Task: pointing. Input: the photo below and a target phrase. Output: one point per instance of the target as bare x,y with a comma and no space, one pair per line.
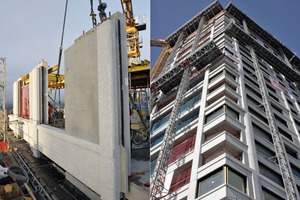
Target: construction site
57,144
225,118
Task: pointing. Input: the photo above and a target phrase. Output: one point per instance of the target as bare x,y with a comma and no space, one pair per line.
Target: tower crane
139,71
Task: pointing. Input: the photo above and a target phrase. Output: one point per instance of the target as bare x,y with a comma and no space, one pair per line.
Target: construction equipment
283,163
278,146
170,134
3,112
139,125
14,172
161,61
139,71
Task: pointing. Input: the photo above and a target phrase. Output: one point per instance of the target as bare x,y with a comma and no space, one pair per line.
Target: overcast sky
31,30
280,18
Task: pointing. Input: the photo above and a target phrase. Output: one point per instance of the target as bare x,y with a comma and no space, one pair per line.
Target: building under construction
225,112
91,146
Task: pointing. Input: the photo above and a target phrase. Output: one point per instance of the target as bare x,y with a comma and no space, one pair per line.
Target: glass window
215,179
214,114
268,195
223,109
288,136
282,121
236,180
152,166
258,115
276,108
161,122
264,150
262,133
210,182
232,112
291,152
296,170
270,174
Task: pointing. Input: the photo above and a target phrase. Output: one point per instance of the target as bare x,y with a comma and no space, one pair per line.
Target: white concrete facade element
37,106
94,149
96,99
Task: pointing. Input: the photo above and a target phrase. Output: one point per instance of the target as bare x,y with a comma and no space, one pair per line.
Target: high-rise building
225,112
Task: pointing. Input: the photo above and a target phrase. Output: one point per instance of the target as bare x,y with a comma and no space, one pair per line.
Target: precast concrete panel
96,100
16,98
81,93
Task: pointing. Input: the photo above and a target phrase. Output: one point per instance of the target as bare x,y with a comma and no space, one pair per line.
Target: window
224,175
273,96
182,148
291,103
270,174
285,134
252,81
211,182
270,88
297,122
219,111
216,76
222,72
282,121
291,152
262,133
236,180
254,101
161,122
268,195
267,153
276,108
157,140
180,178
253,91
251,67
152,166
258,115
296,170
295,112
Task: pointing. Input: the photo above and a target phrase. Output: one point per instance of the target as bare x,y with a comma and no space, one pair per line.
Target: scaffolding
2,82
3,113
237,32
255,47
167,145
199,59
240,16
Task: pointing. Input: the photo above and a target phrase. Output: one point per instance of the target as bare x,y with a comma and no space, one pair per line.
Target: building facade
235,135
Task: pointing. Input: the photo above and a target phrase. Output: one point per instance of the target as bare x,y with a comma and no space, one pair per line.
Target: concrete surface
95,146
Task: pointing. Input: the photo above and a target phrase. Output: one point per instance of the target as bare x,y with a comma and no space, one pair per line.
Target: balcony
223,143
220,92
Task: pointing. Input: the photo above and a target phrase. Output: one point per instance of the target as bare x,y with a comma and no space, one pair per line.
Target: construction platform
49,175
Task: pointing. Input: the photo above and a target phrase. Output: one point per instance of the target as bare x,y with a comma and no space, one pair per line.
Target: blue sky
31,30
280,18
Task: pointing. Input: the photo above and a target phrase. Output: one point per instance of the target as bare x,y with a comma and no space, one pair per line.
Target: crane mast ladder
168,142
282,161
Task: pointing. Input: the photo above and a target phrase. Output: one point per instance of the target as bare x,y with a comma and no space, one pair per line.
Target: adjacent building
237,132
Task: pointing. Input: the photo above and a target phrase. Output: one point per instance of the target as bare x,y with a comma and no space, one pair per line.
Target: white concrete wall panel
95,91
16,98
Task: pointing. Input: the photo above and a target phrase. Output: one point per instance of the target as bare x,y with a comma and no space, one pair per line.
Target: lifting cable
60,51
93,15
